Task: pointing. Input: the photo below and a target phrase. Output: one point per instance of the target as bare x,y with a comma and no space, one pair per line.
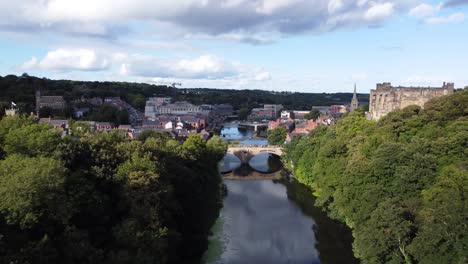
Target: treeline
101,113
399,183
248,99
100,198
21,90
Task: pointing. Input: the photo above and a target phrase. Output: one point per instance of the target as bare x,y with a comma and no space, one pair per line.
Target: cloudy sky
281,45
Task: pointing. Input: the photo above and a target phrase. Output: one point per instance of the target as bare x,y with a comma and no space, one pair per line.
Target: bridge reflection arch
241,161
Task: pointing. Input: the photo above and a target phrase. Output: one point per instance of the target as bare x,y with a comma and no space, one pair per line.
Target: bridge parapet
246,152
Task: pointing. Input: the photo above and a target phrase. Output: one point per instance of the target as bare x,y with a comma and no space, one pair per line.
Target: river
272,221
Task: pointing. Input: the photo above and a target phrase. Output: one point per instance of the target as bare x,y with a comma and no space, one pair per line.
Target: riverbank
396,182
268,217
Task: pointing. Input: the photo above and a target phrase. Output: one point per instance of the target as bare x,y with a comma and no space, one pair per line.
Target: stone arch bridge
247,152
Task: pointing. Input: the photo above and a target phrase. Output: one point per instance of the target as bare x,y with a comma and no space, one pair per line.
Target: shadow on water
265,221
333,238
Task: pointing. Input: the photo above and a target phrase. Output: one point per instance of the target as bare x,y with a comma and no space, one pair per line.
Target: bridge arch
247,152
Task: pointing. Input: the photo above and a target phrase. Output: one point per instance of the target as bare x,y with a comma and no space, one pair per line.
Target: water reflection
263,163
262,223
232,132
266,163
229,163
265,221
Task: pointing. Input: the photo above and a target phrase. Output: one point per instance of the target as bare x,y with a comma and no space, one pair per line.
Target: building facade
386,98
154,108
268,112
53,102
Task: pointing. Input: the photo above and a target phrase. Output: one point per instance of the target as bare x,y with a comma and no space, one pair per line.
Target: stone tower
354,101
386,98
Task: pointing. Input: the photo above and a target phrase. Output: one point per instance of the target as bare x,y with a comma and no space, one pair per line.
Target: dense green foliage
400,183
109,113
313,114
100,198
277,136
21,90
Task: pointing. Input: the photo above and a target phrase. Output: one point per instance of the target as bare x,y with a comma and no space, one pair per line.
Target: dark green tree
277,136
243,113
312,115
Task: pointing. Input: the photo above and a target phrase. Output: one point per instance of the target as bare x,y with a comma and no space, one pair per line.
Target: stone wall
386,98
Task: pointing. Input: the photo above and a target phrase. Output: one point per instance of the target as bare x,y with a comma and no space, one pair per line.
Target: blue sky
281,45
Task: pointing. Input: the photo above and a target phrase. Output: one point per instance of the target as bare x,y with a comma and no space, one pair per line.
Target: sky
279,45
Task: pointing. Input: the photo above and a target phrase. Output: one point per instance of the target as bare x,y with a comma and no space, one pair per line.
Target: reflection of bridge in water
247,152
253,175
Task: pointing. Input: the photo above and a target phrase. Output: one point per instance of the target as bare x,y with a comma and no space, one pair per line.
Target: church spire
354,101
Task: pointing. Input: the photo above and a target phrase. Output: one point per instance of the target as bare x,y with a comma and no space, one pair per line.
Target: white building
159,105
153,104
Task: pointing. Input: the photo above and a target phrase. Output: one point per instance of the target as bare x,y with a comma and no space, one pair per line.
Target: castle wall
386,98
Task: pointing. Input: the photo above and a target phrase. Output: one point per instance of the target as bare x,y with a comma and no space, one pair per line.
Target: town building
354,102
299,115
53,102
179,108
61,125
338,109
324,110
223,110
103,126
386,98
80,112
286,114
268,112
155,106
13,110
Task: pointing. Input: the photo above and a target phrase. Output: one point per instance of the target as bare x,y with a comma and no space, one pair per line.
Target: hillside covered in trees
399,183
99,198
21,90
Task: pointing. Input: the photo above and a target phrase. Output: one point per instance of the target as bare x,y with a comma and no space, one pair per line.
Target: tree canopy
313,114
100,198
398,183
277,136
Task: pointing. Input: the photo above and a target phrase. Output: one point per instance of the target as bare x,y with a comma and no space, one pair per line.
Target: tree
243,113
68,111
81,128
31,140
145,134
313,114
217,146
45,112
277,136
195,145
8,123
32,189
443,233
399,183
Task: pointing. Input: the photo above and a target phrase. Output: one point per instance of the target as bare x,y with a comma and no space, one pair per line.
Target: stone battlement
386,98
388,86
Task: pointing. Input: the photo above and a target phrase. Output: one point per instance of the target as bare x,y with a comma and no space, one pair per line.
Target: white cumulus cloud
69,60
380,11
425,10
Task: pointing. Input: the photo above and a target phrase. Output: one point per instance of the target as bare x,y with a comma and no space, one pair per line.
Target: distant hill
21,90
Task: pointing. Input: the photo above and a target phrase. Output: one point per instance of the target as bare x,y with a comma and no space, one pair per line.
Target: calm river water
272,221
